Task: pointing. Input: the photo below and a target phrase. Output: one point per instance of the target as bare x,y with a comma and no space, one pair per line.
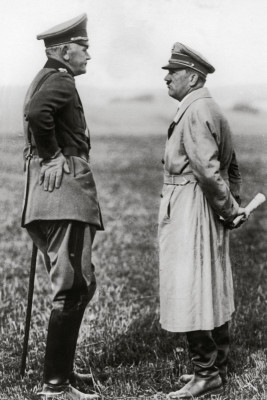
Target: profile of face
178,83
76,56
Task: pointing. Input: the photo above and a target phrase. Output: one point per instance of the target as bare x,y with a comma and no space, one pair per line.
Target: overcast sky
131,39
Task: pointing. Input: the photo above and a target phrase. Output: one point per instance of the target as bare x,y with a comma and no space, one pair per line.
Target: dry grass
121,340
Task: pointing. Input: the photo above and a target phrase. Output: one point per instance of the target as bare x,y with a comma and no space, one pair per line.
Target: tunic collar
53,63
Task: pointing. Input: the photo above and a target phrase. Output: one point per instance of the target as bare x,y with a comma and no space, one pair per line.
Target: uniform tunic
55,120
62,223
196,288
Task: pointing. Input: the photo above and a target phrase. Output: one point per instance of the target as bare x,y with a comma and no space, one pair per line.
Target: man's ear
193,79
65,53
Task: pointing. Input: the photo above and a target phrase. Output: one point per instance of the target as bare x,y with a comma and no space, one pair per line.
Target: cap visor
174,66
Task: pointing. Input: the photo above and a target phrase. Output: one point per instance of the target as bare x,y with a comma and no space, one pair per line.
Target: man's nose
167,77
88,57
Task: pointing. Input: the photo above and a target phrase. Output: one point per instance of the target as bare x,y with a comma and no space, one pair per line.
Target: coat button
161,196
163,162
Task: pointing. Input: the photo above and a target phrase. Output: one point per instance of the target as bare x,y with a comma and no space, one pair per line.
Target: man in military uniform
200,199
61,211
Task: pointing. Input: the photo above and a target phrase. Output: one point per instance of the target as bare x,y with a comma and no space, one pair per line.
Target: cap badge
79,38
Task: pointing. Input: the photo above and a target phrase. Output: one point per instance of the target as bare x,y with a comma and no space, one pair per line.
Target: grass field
121,340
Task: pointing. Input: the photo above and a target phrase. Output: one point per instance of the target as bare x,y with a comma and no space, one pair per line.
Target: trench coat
196,287
54,120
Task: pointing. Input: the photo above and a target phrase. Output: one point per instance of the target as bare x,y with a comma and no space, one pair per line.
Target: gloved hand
241,211
52,170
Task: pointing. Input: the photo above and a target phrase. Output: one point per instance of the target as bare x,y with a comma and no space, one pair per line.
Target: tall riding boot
62,335
63,330
221,337
206,379
76,377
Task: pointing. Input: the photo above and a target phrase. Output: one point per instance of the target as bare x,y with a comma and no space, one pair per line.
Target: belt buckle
185,182
29,156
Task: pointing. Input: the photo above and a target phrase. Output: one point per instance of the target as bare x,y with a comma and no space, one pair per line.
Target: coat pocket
166,204
80,166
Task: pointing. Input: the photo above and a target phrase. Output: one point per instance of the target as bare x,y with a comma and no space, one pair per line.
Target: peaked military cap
184,57
72,31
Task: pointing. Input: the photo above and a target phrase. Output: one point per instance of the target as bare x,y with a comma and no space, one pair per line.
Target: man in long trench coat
200,199
61,211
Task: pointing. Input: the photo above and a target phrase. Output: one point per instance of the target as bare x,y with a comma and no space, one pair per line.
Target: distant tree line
245,107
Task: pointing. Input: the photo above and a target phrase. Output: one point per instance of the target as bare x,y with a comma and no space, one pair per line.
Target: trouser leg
68,260
88,235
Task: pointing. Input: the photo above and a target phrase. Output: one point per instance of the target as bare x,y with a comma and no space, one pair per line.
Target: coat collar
53,63
193,96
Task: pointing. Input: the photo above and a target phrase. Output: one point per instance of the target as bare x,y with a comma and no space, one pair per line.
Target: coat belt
184,179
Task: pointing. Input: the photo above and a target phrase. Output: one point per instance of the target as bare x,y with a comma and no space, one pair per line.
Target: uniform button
161,195
163,162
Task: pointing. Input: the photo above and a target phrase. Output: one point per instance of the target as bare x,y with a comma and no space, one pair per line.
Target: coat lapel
195,95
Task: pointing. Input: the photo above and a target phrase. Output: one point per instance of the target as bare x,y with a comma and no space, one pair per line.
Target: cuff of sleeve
56,154
47,154
41,160
232,213
46,145
235,179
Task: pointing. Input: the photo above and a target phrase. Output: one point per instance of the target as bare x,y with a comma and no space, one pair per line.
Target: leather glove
241,211
52,170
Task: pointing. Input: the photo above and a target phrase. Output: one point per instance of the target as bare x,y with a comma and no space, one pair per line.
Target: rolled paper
255,203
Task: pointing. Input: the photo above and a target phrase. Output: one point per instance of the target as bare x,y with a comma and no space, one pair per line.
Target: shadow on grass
145,356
